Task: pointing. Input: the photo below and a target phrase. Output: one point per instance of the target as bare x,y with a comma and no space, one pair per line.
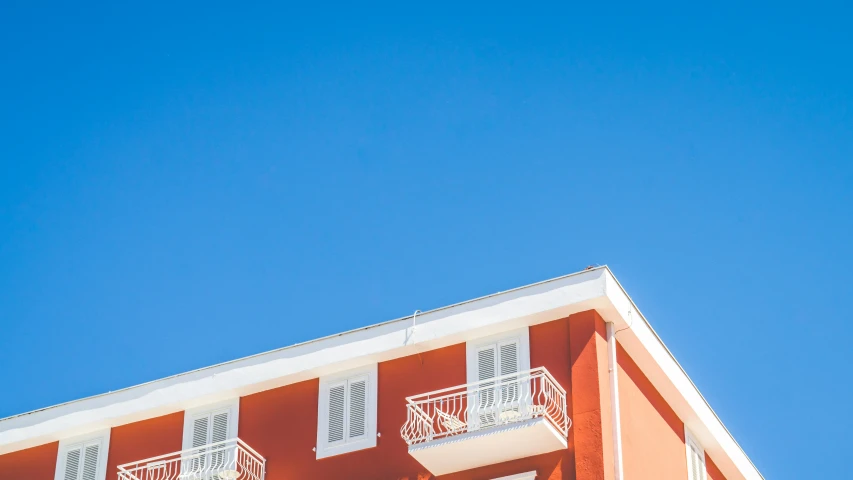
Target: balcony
227,460
487,422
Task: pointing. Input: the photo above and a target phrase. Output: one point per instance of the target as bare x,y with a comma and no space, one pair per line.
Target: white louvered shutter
201,426
487,368
209,428
337,412
697,462
90,462
81,462
508,364
218,433
487,363
357,408
508,354
72,464
346,412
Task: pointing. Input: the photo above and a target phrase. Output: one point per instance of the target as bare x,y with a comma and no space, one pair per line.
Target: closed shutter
218,433
200,425
509,358
486,363
497,360
90,462
357,408
697,462
348,410
487,368
337,412
508,362
210,428
220,427
72,464
494,398
81,462
206,429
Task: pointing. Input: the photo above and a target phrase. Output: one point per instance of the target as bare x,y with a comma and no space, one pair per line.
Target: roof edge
294,345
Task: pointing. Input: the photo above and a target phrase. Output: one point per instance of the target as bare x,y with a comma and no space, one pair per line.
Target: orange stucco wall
281,423
37,463
592,426
145,439
652,434
713,472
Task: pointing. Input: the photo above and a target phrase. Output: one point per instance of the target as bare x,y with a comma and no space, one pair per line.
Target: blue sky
182,185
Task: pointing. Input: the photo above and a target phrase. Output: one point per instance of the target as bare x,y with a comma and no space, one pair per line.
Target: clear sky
184,184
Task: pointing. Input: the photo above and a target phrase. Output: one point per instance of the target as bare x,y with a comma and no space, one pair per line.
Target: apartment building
562,379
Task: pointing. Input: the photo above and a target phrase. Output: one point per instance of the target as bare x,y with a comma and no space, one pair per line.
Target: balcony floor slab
488,446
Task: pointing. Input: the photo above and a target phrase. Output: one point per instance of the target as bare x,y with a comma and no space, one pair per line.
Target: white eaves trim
660,367
435,329
502,312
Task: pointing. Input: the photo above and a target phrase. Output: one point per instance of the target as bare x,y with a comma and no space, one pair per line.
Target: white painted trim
615,407
657,363
368,440
519,476
438,328
522,335
689,440
231,405
103,437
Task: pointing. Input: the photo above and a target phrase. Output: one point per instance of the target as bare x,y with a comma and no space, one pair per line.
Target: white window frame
519,476
103,436
233,407
521,335
368,440
689,439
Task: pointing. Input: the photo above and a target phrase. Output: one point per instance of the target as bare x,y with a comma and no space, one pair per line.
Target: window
210,424
83,458
347,412
695,458
497,356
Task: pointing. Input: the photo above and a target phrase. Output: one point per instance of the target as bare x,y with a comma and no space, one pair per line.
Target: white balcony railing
227,460
486,404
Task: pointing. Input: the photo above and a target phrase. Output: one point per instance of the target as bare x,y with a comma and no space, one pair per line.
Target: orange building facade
518,385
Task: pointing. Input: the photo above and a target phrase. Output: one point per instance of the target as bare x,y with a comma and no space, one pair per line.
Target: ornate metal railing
227,460
489,403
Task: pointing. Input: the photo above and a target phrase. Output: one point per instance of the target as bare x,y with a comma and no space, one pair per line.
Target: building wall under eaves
281,423
145,439
37,463
652,434
713,472
653,442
